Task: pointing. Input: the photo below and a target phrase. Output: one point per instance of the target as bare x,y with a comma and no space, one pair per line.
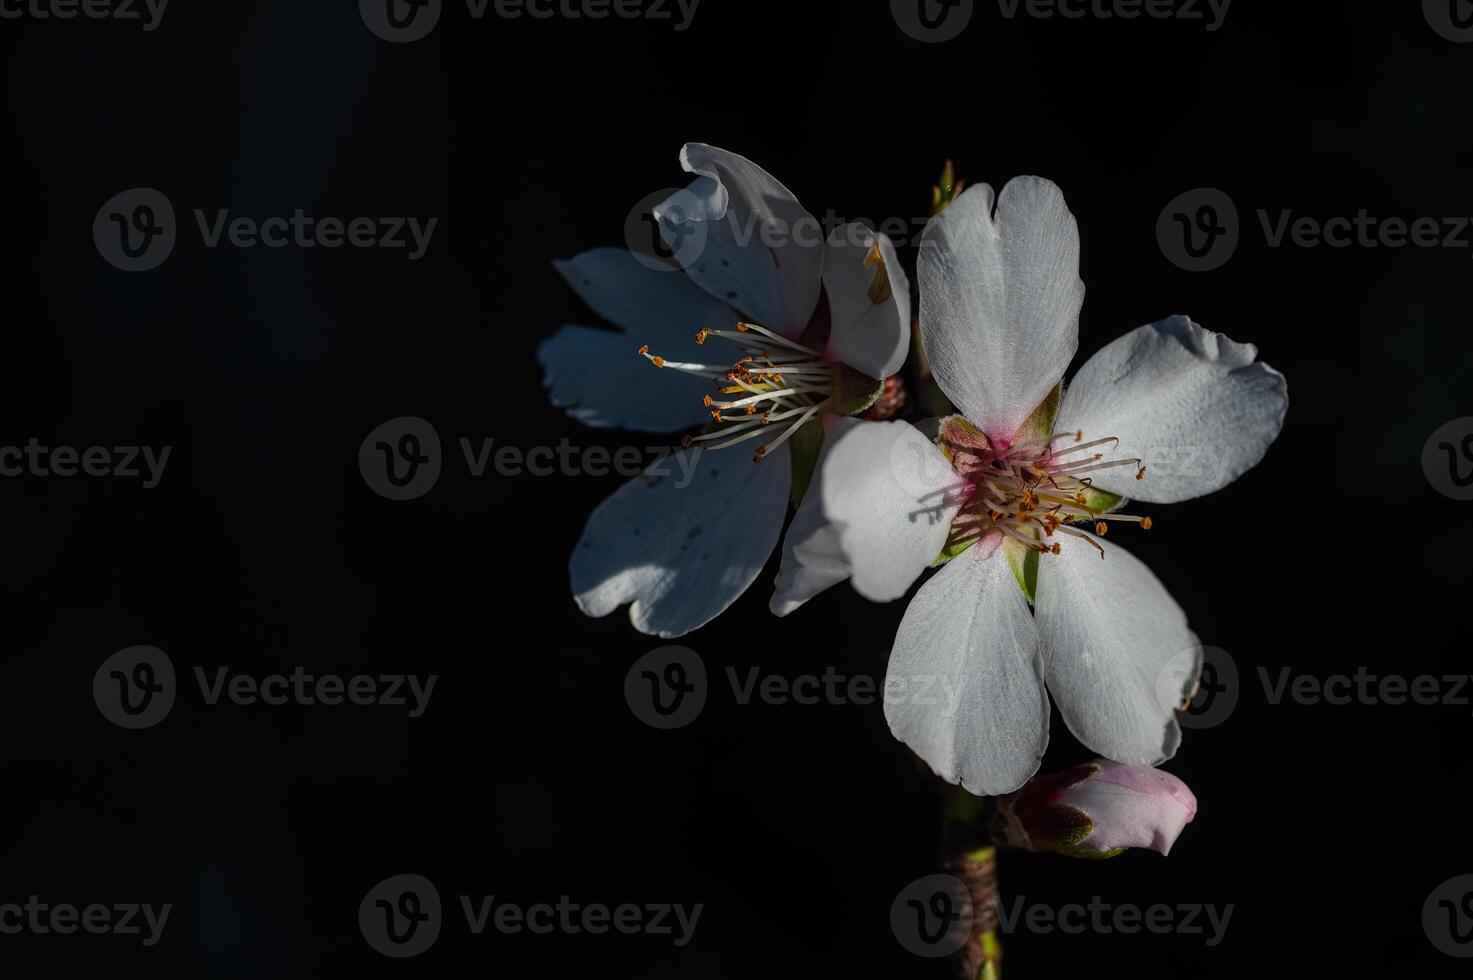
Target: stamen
789,383
1032,491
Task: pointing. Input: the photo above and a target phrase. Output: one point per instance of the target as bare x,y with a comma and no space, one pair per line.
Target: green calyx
946,190
803,450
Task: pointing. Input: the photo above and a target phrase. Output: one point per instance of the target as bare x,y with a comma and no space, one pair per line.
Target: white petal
1110,634
599,376
892,496
813,559
869,336
1000,300
968,641
762,253
878,510
682,546
1191,403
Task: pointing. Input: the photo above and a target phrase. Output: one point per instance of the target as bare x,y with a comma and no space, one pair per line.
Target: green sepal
953,550
1023,560
803,450
1041,422
946,190
854,392
1101,503
1095,855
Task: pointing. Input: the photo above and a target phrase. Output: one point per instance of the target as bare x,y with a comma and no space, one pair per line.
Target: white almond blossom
772,326
1164,414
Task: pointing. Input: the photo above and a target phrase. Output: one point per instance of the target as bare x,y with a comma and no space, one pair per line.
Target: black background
528,778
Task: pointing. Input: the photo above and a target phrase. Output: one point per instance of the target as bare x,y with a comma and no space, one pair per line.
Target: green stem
971,857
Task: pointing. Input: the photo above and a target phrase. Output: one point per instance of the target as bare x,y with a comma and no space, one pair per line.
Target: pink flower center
1032,491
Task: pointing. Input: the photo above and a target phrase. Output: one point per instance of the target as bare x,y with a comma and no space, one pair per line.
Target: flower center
783,384
1035,490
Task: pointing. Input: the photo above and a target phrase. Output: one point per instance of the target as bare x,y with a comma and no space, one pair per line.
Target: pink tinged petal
1132,806
683,541
1000,300
763,253
965,683
1121,659
598,375
869,302
1195,406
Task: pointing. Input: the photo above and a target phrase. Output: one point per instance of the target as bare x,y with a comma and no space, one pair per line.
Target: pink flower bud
1096,810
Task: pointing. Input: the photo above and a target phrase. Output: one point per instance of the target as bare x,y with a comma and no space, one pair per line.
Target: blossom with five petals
1166,413
813,324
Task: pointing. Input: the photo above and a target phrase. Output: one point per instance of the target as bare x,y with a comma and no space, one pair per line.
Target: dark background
528,777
